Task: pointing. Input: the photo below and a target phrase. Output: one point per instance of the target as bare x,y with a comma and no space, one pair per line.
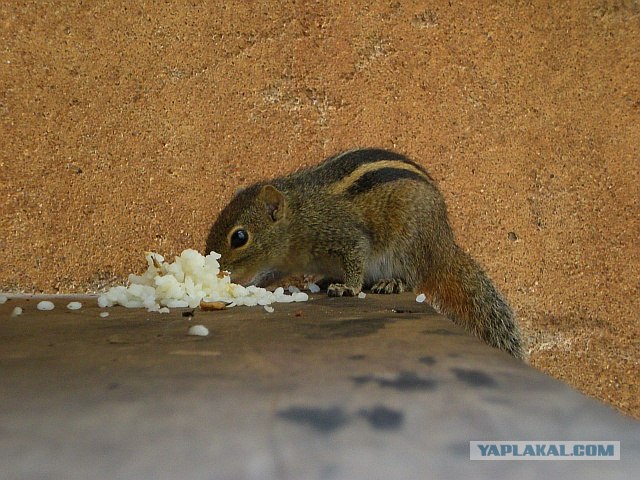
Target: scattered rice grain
45,305
198,330
362,295
421,298
16,311
74,305
269,308
300,297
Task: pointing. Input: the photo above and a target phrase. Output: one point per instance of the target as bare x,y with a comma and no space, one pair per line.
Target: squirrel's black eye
239,238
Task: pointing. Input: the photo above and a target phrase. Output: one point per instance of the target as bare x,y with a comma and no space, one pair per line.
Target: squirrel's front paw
389,286
341,290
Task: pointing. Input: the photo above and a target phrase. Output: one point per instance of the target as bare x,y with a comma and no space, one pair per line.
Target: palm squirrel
365,218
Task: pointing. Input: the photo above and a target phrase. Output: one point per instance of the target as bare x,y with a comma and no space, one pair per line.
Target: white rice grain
104,302
74,305
421,298
16,312
313,288
362,295
3,299
45,305
269,308
198,330
177,304
300,297
104,314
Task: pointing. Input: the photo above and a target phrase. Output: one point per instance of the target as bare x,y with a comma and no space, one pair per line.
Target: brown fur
363,218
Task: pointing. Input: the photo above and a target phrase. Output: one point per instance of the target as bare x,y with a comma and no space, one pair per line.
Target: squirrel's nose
242,278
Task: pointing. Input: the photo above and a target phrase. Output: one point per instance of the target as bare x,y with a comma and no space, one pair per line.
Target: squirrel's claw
342,290
392,285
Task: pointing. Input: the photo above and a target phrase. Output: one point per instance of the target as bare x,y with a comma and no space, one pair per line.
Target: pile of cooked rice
192,278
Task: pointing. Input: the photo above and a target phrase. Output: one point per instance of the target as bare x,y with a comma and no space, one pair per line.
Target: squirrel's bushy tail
462,291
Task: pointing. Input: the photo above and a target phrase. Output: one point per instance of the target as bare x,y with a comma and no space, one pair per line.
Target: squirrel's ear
274,202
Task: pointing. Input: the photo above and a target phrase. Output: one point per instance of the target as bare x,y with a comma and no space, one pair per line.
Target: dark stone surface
324,420
332,388
474,378
383,418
